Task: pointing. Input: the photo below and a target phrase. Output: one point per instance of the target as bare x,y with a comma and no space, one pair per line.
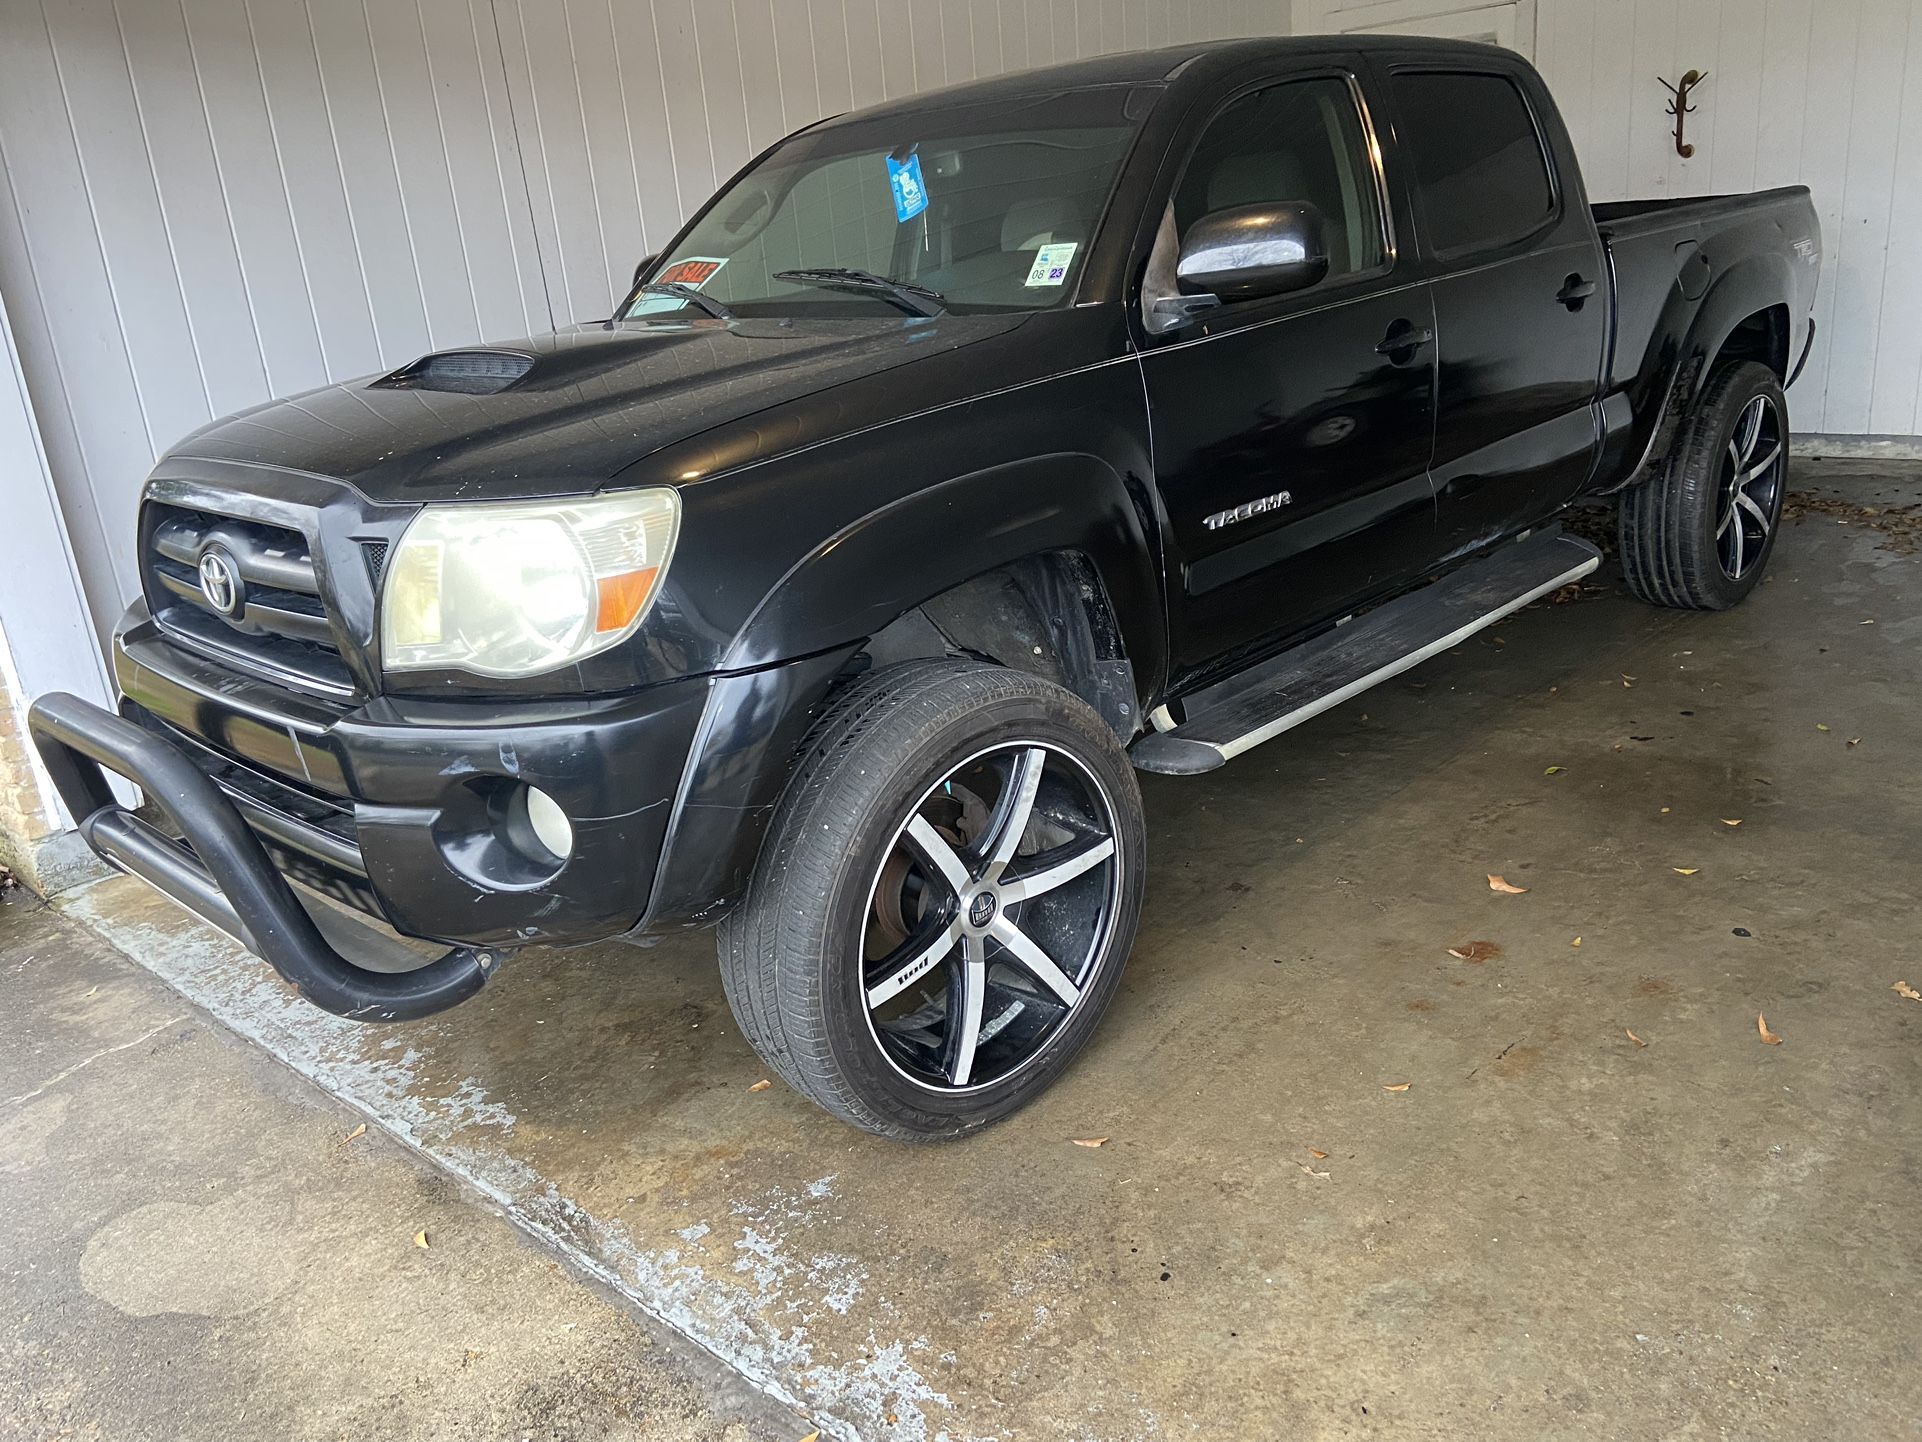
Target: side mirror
643,265
1251,251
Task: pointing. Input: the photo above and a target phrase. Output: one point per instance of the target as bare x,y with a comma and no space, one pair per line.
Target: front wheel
945,901
1698,534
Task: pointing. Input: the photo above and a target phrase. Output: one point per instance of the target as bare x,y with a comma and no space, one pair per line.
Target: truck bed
1626,218
1666,255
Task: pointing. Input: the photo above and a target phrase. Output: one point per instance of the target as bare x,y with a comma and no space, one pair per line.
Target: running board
1260,703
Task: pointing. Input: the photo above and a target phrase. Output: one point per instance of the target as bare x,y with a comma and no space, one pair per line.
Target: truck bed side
1695,279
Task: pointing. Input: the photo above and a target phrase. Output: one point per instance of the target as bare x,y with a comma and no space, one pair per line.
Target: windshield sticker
1051,263
910,193
695,271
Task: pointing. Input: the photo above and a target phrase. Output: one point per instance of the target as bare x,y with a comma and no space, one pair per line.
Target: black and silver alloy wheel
1750,497
945,900
1698,532
989,916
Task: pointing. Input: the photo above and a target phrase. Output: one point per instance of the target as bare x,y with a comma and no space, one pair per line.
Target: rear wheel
945,902
1698,534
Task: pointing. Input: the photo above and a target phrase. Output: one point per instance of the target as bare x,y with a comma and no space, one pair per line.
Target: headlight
524,587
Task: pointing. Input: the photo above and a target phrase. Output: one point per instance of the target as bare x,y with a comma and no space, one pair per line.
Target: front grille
270,620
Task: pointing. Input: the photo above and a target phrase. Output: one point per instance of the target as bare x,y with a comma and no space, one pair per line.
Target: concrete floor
194,1244
1554,1231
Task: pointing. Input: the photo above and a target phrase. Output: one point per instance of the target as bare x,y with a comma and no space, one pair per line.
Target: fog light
548,822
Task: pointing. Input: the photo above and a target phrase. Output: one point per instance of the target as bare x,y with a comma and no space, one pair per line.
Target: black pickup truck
958,457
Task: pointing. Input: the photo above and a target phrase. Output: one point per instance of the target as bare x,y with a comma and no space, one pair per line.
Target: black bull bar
224,875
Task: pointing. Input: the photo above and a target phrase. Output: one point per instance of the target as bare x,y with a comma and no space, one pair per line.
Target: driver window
1298,141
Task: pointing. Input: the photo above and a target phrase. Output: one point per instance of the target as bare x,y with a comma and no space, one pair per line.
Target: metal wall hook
1680,108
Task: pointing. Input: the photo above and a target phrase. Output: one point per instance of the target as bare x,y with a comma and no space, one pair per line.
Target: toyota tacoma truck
961,456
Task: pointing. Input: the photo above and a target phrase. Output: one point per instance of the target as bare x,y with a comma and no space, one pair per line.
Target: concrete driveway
1354,1184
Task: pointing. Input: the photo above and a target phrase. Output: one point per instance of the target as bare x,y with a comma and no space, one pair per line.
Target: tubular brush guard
225,876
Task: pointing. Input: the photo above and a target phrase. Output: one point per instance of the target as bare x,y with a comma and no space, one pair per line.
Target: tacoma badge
1247,509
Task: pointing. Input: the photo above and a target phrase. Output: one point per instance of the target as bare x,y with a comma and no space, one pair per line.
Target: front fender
894,558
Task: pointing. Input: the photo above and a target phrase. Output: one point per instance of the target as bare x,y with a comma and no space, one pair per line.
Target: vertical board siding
1826,93
205,203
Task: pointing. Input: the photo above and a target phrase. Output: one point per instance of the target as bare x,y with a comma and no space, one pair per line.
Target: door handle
1403,339
1574,291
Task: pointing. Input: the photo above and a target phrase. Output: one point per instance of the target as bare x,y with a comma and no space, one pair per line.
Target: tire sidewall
1059,720
1709,436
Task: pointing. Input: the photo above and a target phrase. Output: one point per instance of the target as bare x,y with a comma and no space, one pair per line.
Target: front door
1291,434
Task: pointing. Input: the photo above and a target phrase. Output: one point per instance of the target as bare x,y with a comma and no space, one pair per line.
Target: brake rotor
958,815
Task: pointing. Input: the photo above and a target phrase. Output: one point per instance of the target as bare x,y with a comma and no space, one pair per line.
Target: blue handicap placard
910,195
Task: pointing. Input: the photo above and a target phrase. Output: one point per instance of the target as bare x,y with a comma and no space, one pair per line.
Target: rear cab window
1480,167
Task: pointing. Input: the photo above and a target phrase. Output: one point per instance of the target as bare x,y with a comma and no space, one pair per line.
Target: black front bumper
396,806
223,875
393,804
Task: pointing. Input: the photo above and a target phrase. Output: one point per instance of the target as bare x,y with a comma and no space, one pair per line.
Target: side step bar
1260,703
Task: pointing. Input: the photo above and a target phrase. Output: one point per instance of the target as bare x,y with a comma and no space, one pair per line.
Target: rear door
1291,433
1520,292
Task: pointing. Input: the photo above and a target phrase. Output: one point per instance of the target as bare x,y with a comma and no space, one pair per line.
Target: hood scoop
463,372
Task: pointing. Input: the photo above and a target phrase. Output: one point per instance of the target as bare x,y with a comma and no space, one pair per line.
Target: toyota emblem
220,582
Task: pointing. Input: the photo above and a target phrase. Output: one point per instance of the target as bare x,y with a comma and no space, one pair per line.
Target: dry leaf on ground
762,1085
1731,821
1500,883
1316,1153
1476,951
1820,727
1902,988
1553,770
1576,942
1091,1141
1855,741
420,1240
814,1436
359,1131
1398,1087
1632,1037
1320,1176
1769,1038
1685,870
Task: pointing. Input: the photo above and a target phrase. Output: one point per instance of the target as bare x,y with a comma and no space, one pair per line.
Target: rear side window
1478,159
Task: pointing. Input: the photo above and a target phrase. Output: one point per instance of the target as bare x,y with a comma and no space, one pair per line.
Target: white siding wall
204,203
1826,93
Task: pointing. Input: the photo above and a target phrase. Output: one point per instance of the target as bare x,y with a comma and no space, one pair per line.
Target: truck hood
595,400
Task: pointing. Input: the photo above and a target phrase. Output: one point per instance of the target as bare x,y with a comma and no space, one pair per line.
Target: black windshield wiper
912,298
689,294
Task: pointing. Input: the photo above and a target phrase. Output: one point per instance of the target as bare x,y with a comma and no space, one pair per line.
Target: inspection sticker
910,193
1051,263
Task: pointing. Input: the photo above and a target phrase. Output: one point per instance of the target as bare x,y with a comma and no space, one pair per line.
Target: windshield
984,208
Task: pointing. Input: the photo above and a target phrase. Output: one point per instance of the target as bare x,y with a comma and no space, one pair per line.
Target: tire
1698,535
939,807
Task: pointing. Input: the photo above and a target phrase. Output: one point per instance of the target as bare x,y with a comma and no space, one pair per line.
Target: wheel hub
982,909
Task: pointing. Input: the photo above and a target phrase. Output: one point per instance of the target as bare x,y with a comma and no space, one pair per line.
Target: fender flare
1758,283
902,554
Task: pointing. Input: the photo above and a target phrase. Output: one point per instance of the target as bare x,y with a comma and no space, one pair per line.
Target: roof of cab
1157,67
